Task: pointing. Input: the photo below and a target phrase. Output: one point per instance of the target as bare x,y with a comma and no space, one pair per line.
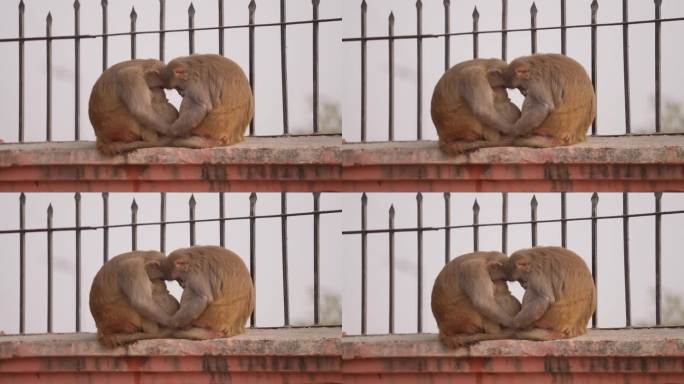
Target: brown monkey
217,101
560,295
218,295
129,300
128,107
471,301
470,107
560,103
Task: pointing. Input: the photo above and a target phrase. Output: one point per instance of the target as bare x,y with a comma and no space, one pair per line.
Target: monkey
128,107
560,295
218,294
129,300
470,107
560,103
217,100
471,301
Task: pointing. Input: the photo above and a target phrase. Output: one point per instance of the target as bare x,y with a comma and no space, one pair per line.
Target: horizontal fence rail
504,31
419,229
192,222
161,32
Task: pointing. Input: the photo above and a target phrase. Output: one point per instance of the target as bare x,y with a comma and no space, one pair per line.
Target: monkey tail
464,340
453,148
114,340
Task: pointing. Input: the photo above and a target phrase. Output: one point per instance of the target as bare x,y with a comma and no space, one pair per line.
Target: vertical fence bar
162,23
419,70
48,77
658,238
364,50
314,26
390,42
504,222
625,247
419,234
476,227
533,27
252,74
283,244
252,246
594,58
657,64
49,267
391,269
134,21
283,66
21,75
192,204
533,219
191,28
222,217
77,70
476,37
447,224
447,38
162,220
134,225
564,223
105,227
77,202
317,254
105,29
625,64
563,27
364,261
594,248
22,263
221,31
504,29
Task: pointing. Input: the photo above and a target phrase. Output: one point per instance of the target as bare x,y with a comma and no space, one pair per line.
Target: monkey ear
495,77
495,269
153,269
153,78
522,265
181,265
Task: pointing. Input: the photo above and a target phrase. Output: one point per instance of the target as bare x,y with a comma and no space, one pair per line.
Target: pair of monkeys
129,110
129,300
471,301
471,109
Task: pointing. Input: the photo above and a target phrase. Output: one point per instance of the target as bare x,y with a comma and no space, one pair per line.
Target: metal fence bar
364,262
594,55
447,38
390,80
625,248
105,227
222,216
533,219
162,219
563,28
419,235
48,78
22,263
221,32
504,27
134,21
22,77
564,223
364,49
476,228
504,221
314,26
419,70
252,74
162,24
625,64
252,247
657,4
283,66
447,223
391,269
283,244
134,225
50,254
317,255
191,27
594,247
533,26
77,71
476,20
192,204
77,208
658,245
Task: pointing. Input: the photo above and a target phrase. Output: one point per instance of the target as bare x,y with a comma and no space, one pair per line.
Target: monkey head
517,75
496,269
175,266
519,268
176,75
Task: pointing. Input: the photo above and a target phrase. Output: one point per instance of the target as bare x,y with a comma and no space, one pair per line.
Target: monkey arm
534,306
195,299
137,97
479,95
536,107
138,288
192,112
478,286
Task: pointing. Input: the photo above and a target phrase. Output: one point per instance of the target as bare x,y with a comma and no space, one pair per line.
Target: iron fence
161,32
419,229
78,229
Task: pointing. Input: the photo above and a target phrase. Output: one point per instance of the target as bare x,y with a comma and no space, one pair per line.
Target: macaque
129,301
471,301
560,103
128,108
470,107
218,294
560,295
217,101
